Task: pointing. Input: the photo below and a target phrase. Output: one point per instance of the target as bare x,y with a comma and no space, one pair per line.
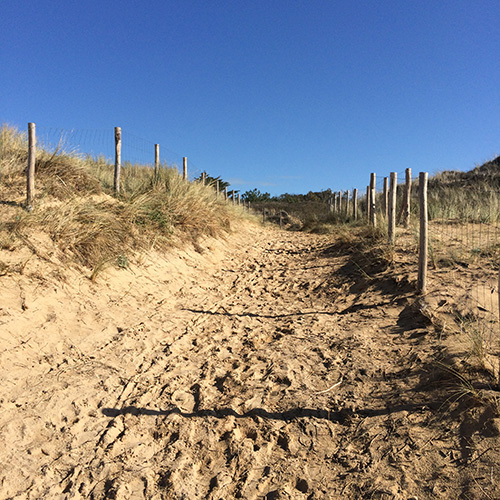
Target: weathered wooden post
118,159
424,233
185,168
368,204
203,178
233,197
217,188
347,204
30,172
355,204
239,199
406,213
373,215
386,198
340,203
225,193
336,197
157,160
391,228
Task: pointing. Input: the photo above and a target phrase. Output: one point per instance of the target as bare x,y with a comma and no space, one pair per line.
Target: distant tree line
256,196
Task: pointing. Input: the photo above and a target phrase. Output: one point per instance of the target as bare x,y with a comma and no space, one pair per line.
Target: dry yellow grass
74,205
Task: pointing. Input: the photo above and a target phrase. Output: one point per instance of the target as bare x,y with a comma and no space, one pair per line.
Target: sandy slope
210,376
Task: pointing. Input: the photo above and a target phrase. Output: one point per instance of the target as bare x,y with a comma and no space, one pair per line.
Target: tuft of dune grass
13,160
63,175
84,229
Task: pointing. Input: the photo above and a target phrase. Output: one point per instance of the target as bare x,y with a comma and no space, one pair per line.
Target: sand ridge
260,366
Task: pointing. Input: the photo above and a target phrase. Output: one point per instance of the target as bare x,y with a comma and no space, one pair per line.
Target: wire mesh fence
82,142
462,268
464,252
99,145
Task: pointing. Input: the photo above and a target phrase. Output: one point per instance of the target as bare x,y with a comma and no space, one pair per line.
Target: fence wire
81,142
464,251
99,145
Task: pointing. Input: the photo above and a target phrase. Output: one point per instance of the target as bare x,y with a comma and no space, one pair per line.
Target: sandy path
207,376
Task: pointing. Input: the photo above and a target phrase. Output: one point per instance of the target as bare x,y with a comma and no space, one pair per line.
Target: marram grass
75,207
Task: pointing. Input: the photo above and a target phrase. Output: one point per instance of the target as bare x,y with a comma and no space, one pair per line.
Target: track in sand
265,367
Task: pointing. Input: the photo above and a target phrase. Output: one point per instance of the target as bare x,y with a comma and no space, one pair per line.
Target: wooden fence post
406,215
30,172
234,197
157,160
347,204
373,215
336,197
225,193
368,204
355,204
185,168
239,199
386,198
118,159
424,233
217,188
391,229
340,203
203,178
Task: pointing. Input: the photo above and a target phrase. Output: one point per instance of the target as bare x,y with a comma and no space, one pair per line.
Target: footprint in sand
183,400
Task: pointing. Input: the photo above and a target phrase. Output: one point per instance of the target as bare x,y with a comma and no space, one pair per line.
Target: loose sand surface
264,366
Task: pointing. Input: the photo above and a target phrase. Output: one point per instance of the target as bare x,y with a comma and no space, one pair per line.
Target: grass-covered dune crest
75,206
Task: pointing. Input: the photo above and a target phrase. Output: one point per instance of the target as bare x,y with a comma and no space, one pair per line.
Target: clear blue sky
282,95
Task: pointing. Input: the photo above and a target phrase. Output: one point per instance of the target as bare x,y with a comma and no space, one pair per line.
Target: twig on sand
330,388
